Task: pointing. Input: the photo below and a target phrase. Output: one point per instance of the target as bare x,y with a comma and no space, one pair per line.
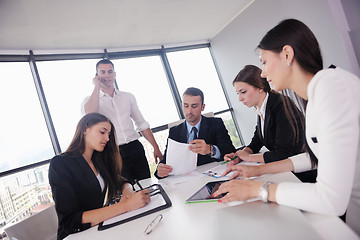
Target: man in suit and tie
208,136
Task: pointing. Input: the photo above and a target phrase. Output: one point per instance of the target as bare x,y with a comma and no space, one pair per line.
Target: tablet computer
205,193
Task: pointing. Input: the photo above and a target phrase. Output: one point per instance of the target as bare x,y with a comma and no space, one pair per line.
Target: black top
212,130
75,190
278,134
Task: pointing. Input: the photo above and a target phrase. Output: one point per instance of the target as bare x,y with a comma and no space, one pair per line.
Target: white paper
180,158
156,201
176,179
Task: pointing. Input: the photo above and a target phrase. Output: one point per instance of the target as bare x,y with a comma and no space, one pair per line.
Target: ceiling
111,24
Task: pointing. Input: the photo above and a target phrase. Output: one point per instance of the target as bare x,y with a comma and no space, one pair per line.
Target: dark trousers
135,164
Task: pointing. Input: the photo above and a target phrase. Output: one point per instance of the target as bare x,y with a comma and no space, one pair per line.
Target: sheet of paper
217,171
156,201
176,179
180,158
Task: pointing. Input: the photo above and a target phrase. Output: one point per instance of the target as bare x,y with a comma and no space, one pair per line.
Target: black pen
137,182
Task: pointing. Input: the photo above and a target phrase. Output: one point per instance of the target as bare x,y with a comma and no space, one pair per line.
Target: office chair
42,225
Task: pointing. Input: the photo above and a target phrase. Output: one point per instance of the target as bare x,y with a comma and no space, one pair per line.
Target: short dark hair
251,75
296,34
104,61
195,92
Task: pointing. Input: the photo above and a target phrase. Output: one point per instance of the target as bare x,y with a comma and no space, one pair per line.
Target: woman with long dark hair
280,132
87,176
291,58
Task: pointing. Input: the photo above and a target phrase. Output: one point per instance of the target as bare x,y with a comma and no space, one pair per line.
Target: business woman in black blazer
276,128
88,175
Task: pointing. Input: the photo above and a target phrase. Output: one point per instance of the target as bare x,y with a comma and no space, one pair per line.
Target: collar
102,93
189,126
262,109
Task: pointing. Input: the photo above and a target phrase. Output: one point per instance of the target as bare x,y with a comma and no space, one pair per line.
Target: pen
137,182
233,158
153,224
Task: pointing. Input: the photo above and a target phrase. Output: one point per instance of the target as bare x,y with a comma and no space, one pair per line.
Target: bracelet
263,192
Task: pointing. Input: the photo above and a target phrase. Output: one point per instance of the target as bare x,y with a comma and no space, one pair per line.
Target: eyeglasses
153,224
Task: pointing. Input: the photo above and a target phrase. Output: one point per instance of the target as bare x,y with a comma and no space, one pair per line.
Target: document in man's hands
180,157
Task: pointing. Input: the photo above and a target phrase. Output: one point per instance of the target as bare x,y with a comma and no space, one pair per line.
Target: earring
289,64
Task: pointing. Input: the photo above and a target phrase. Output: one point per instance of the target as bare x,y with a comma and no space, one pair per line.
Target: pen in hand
233,158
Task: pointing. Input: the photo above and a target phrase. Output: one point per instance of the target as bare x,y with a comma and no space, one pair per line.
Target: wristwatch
263,192
212,151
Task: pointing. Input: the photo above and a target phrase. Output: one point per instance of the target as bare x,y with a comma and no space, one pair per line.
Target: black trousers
135,164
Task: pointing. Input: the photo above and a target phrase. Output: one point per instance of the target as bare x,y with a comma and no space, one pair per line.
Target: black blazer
212,130
278,134
75,190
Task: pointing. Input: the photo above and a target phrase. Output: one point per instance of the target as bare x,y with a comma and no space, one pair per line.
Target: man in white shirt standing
121,108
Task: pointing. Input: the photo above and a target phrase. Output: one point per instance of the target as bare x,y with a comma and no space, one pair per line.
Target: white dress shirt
333,118
123,111
261,112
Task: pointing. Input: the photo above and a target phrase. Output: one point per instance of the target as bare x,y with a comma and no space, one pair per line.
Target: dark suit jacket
278,137
212,130
75,190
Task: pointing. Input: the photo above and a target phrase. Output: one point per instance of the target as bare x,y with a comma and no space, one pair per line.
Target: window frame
32,58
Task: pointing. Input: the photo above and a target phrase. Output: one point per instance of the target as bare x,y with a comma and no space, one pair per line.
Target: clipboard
159,201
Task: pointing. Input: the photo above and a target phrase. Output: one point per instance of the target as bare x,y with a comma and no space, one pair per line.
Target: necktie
194,129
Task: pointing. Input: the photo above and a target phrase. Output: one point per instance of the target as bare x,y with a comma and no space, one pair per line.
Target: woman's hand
127,190
230,156
242,170
136,200
238,190
243,155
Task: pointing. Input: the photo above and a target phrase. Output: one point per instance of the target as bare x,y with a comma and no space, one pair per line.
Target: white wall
234,47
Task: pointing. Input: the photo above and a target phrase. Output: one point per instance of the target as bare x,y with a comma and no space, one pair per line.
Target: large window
195,68
145,78
24,137
66,84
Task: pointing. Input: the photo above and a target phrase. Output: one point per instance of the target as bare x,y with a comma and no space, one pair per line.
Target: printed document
180,158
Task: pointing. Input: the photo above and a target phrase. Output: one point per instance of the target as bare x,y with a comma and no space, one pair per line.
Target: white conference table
197,221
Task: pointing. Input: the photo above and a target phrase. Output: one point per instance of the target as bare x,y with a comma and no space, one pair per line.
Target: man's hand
157,155
164,170
97,82
199,146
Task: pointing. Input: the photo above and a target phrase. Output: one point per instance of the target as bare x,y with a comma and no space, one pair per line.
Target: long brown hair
251,75
306,48
108,162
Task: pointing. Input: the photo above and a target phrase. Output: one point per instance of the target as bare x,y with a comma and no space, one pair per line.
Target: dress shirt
333,120
261,112
190,136
122,110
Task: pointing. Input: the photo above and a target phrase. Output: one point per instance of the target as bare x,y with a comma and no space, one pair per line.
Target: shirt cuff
143,126
301,162
217,155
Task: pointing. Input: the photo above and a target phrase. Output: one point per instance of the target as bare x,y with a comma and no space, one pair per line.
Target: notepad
159,201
